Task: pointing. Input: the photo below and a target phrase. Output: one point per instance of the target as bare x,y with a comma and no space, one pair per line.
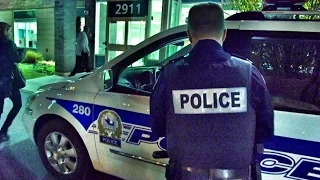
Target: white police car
102,119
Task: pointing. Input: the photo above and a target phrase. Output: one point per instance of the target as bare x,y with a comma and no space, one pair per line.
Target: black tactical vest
210,119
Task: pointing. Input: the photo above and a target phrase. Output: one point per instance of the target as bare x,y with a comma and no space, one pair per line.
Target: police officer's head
206,21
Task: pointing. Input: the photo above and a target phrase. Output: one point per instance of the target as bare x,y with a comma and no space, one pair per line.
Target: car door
122,124
288,58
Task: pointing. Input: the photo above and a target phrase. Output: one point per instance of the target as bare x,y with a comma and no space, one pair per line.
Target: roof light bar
285,2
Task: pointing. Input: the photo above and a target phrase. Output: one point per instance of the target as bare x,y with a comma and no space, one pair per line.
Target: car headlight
30,100
32,97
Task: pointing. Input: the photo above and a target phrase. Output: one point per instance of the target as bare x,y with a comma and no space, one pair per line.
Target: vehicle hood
61,82
53,86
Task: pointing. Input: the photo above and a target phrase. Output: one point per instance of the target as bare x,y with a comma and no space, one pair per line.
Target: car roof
232,23
291,21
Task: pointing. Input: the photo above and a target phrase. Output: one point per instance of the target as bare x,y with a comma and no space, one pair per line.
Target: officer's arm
263,107
158,107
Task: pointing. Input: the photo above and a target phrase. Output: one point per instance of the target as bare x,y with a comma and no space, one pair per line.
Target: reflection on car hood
57,85
61,83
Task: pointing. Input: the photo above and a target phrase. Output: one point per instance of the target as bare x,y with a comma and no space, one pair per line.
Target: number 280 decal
82,110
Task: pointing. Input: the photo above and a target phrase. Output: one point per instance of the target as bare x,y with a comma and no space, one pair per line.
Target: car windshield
167,53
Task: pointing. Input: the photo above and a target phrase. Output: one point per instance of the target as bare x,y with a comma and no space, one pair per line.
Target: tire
70,158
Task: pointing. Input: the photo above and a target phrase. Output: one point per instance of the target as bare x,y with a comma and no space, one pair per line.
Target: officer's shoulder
241,58
246,61
174,62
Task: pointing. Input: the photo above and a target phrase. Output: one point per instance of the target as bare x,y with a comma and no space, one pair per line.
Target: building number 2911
125,8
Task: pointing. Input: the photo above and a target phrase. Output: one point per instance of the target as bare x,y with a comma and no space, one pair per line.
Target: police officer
210,105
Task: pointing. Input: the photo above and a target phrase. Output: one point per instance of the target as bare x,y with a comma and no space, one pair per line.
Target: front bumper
28,122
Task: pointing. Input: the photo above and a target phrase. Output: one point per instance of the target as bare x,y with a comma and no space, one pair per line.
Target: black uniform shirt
204,55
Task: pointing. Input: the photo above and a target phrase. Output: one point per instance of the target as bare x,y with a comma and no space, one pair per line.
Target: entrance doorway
128,23
121,24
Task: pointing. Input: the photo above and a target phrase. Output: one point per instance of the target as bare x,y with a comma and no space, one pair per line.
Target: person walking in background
82,53
9,77
85,54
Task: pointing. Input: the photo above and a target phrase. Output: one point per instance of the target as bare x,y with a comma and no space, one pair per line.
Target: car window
161,55
291,70
289,62
142,74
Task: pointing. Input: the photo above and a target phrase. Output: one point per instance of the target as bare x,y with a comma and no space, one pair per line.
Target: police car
101,120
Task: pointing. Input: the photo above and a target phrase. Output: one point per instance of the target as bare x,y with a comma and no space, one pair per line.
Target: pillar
166,13
65,35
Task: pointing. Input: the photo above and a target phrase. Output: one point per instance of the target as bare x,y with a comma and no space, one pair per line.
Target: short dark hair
4,27
206,19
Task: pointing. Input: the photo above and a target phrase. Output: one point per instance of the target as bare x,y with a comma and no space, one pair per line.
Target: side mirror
160,154
179,44
106,80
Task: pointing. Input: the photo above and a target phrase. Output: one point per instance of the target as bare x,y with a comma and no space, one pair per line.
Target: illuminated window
25,29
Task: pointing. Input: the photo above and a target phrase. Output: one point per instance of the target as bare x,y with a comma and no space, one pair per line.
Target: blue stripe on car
295,146
283,144
126,116
85,121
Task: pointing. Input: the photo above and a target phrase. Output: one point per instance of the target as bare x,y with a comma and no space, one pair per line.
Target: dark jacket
9,55
198,133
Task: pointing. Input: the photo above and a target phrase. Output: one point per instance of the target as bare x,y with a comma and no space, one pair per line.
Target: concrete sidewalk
33,85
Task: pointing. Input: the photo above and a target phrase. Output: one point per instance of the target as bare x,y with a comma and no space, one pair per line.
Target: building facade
48,26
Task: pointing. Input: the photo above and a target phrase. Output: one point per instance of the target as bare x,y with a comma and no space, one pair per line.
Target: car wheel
62,151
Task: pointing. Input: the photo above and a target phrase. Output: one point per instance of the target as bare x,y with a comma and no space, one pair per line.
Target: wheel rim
61,153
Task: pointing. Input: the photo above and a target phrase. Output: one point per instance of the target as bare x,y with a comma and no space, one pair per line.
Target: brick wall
31,4
65,35
6,16
45,36
25,4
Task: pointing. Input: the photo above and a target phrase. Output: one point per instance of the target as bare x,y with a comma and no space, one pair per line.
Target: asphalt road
19,158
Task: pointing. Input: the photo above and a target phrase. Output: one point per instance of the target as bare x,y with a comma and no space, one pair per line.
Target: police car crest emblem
110,128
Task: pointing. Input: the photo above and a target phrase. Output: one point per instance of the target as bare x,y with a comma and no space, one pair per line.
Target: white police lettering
208,101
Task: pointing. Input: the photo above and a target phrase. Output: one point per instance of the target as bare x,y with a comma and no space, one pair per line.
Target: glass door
128,24
175,13
117,43
171,19
122,35
100,34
